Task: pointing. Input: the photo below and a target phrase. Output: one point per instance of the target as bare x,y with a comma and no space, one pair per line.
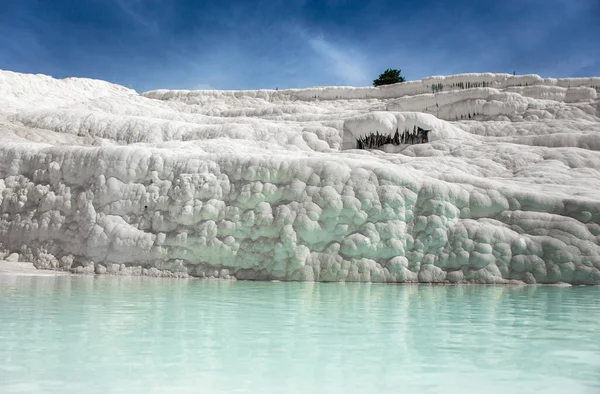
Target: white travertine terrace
95,177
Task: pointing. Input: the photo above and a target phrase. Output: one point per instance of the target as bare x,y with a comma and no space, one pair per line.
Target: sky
254,44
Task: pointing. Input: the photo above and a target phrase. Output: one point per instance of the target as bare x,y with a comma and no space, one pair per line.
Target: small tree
389,77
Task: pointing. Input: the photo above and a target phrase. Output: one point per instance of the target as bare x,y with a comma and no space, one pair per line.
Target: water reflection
154,335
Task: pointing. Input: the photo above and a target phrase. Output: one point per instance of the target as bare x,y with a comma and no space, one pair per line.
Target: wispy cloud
134,10
203,86
590,70
248,44
344,63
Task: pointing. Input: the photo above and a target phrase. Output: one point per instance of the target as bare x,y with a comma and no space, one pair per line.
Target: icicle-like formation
413,136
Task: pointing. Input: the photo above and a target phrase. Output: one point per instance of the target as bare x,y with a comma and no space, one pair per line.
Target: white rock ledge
26,269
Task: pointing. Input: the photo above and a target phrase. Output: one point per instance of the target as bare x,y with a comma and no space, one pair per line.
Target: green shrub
389,77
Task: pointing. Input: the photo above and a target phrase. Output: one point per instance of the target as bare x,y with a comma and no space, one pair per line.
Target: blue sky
248,44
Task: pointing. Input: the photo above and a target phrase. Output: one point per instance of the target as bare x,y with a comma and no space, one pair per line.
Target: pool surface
141,335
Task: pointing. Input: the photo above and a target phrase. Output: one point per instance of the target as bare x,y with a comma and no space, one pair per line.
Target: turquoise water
123,335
